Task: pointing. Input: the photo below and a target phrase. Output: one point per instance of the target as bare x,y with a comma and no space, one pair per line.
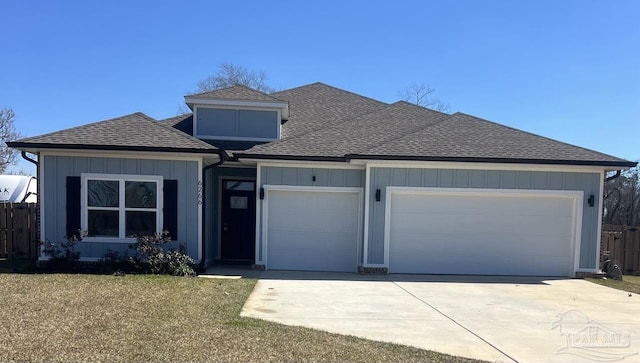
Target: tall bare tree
622,199
230,74
8,156
422,95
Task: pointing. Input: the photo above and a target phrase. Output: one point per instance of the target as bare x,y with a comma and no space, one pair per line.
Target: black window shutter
73,206
170,211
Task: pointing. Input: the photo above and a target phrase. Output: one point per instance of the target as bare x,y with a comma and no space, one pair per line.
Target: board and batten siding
299,176
380,178
272,175
57,168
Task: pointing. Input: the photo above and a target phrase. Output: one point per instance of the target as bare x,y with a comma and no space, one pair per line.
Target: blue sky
568,70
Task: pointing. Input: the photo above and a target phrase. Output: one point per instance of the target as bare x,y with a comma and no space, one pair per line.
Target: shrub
116,262
179,263
62,256
151,256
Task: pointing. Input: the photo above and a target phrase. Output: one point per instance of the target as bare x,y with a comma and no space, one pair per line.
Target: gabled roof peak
236,92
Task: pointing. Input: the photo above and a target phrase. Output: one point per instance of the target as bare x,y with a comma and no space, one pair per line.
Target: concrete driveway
504,319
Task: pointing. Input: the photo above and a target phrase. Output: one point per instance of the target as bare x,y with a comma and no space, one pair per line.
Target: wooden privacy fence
623,245
18,231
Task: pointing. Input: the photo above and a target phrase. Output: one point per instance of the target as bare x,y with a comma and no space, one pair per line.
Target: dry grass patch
63,318
629,283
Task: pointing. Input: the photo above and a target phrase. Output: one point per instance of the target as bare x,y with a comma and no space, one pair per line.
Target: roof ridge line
185,115
336,88
337,122
445,116
426,108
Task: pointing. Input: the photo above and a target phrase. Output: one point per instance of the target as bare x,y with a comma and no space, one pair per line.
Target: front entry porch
230,216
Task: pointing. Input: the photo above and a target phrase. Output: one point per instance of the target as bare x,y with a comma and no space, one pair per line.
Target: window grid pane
140,223
103,193
103,223
139,194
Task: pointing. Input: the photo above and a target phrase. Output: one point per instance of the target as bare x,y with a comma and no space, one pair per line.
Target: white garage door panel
312,231
483,224
457,233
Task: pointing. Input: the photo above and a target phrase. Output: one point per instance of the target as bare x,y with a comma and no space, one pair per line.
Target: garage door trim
577,198
294,188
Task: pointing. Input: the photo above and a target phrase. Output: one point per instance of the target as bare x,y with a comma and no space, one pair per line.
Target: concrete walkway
502,319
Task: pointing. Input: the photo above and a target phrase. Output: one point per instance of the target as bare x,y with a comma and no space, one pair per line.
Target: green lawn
629,283
63,318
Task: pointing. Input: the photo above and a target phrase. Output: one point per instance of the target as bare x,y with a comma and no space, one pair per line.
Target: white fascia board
195,101
302,164
477,166
129,154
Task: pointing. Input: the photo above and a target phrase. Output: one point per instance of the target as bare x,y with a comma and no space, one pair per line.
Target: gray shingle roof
183,123
317,105
464,136
355,134
237,92
329,123
136,131
403,131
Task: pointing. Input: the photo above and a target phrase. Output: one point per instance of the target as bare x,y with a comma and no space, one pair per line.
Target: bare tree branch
8,156
230,74
622,199
421,95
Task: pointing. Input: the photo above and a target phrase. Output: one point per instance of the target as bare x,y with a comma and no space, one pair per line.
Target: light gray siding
57,168
271,175
494,179
305,177
212,204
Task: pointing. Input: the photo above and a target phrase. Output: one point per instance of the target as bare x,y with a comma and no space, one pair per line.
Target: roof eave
40,146
232,102
602,163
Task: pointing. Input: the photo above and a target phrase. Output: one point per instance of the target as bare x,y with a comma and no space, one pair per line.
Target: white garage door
313,230
493,233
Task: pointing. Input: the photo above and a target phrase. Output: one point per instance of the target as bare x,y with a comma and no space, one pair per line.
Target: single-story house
319,178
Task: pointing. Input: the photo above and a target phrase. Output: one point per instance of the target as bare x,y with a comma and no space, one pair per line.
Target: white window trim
121,178
237,138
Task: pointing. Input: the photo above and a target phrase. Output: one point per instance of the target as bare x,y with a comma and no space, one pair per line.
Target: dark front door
238,221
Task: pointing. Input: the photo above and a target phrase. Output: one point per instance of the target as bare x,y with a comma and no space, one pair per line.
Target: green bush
151,256
179,263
